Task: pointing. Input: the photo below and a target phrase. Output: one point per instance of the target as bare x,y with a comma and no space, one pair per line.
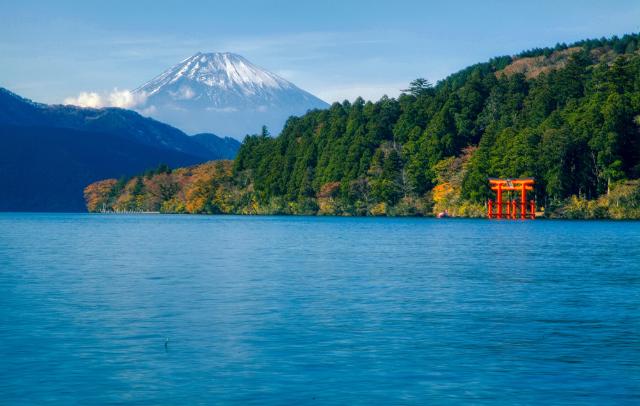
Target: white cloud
85,99
126,99
116,98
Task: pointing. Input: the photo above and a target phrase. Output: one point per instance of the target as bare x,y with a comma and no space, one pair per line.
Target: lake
159,309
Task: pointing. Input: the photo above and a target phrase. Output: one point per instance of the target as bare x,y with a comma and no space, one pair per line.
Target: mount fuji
225,94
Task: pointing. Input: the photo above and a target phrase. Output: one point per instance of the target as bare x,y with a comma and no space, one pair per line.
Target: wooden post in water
533,210
523,201
508,209
499,195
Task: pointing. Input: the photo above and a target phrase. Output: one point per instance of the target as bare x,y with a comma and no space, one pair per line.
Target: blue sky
50,50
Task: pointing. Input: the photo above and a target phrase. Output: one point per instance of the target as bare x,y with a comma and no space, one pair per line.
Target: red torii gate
506,185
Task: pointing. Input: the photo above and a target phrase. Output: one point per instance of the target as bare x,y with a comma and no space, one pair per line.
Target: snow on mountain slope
223,93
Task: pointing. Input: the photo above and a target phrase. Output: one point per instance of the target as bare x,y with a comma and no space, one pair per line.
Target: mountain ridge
48,153
20,111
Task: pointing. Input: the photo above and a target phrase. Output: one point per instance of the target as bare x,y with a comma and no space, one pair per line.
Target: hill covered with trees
569,116
48,153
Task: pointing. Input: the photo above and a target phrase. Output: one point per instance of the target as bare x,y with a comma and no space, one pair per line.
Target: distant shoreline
433,217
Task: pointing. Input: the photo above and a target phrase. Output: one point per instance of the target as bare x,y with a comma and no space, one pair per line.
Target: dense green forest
569,116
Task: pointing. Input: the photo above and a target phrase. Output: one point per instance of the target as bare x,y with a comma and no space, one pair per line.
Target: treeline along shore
569,116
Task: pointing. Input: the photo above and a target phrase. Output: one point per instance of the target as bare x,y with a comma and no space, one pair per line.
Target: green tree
419,87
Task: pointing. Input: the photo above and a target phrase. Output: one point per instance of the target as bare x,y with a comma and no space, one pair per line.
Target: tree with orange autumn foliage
97,194
206,188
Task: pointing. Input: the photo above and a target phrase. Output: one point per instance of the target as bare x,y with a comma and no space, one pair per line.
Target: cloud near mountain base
125,99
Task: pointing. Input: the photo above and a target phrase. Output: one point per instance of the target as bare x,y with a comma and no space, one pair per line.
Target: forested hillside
569,116
48,153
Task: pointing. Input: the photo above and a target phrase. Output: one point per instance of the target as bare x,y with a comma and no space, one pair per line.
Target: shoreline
432,216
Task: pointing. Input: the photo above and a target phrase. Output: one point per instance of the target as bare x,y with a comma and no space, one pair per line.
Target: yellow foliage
442,193
252,208
446,194
173,205
379,209
327,206
195,205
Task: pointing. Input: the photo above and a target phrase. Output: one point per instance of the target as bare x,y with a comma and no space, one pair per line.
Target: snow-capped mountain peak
220,69
205,85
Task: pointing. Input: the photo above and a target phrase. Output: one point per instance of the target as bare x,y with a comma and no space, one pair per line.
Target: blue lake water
297,310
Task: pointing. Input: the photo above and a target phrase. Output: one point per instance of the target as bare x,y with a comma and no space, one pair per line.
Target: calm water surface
286,310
